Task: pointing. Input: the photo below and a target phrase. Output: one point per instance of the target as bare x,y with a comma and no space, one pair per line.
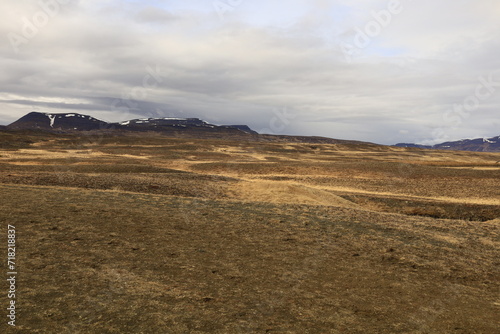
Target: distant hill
155,123
413,145
170,126
476,145
244,128
43,121
79,122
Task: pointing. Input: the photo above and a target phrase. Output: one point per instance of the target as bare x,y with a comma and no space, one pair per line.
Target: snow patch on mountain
486,140
52,119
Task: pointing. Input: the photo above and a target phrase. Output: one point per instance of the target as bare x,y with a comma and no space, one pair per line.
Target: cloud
152,15
97,57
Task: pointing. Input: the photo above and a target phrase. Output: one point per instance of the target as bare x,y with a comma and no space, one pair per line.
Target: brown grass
149,234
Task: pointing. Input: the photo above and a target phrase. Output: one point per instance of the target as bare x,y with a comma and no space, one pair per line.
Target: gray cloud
123,59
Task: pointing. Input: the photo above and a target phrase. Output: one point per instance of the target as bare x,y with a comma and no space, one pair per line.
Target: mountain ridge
56,122
172,126
476,145
81,122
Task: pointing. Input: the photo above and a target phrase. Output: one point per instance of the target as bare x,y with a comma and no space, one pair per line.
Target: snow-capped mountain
477,145
36,120
78,122
165,121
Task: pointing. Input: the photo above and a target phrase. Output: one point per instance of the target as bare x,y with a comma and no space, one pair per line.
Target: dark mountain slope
476,145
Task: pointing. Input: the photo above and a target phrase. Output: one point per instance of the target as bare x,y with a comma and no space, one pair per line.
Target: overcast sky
386,71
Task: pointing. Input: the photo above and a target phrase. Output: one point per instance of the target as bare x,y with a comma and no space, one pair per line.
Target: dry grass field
142,233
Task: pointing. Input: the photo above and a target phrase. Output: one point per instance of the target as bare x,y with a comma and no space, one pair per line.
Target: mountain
43,121
171,126
143,123
79,122
477,145
244,128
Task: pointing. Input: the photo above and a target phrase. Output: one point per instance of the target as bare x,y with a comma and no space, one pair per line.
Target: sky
381,71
